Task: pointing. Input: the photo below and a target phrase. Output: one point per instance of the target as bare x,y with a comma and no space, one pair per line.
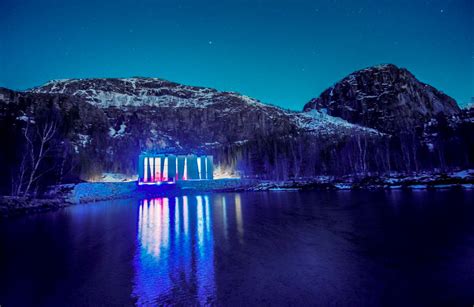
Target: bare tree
38,145
362,146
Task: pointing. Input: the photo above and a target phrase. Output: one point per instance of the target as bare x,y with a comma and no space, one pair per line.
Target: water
278,248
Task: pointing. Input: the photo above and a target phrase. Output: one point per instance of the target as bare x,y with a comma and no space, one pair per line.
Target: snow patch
463,174
241,142
23,118
84,139
319,122
418,187
430,147
114,177
118,133
343,186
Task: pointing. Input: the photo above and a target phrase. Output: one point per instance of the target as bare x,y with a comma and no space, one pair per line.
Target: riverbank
11,206
462,179
65,195
88,192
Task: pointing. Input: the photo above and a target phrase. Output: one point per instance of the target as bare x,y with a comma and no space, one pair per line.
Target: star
210,42
441,11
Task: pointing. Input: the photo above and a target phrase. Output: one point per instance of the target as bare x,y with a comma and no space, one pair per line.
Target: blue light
165,250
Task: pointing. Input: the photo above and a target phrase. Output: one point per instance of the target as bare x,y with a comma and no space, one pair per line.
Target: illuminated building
169,168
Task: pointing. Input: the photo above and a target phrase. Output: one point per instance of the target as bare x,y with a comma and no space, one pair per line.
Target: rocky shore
12,206
463,179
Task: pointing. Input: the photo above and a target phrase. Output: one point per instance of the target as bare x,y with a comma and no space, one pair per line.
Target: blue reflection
200,221
175,247
238,217
224,216
208,215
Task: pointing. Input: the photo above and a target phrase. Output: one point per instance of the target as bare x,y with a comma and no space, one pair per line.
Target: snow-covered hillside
133,92
136,93
139,92
320,123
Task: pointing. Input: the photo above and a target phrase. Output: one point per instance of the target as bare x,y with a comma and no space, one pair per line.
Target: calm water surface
271,248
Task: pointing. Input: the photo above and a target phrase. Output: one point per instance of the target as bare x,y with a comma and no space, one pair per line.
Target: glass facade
164,168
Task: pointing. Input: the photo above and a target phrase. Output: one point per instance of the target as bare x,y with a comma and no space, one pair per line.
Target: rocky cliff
386,98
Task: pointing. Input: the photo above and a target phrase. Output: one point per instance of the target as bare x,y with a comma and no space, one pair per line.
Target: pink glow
145,170
152,168
185,171
158,170
165,169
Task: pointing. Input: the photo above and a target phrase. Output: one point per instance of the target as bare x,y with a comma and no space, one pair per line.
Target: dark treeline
41,143
440,147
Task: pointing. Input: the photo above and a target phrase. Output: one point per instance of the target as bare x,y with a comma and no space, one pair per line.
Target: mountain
102,125
168,114
385,97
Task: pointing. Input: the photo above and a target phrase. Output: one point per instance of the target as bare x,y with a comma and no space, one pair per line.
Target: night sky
281,52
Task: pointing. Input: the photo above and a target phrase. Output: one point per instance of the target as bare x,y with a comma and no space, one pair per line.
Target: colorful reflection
175,247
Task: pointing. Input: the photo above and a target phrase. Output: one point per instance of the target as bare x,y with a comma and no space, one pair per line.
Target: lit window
157,169
199,161
165,169
145,174
185,172
152,169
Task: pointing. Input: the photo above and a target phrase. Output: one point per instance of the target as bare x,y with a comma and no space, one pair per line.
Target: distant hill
384,97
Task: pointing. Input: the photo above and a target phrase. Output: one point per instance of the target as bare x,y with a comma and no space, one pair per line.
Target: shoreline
82,193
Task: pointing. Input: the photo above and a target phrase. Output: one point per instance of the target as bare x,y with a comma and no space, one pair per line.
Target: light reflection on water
175,248
238,216
265,248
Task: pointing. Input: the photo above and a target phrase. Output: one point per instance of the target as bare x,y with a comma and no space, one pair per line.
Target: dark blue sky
281,52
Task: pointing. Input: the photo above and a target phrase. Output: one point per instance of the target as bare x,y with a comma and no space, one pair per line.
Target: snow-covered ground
90,192
421,181
224,173
114,177
319,122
